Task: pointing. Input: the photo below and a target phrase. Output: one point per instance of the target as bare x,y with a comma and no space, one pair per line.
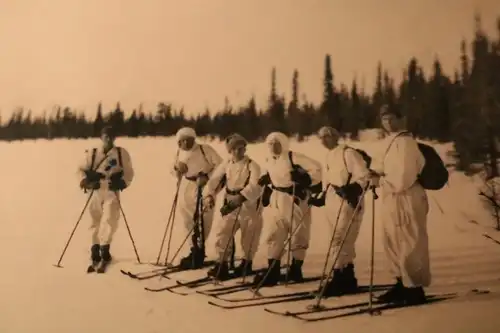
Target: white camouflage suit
104,205
281,203
242,177
201,158
340,162
404,211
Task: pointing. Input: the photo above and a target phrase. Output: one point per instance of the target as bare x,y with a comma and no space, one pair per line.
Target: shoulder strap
120,160
345,163
290,157
394,139
203,153
249,172
92,161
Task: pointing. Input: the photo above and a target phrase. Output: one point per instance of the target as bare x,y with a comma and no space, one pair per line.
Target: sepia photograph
250,166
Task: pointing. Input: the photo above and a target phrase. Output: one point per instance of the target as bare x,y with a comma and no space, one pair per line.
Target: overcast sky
196,52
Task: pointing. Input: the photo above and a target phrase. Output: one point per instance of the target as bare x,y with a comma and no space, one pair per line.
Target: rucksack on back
366,157
434,175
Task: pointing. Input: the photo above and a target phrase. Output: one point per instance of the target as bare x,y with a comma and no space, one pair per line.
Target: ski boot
334,287
414,296
243,269
194,260
106,258
394,295
295,271
349,281
271,277
219,272
95,256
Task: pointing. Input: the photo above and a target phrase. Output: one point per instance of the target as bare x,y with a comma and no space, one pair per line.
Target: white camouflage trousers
104,209
405,239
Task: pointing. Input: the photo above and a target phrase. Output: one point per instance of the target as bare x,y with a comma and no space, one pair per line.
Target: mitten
301,177
264,180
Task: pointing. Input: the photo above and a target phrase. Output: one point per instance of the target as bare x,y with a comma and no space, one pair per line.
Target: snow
40,203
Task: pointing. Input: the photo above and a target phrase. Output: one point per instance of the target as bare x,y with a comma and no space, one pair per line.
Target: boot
243,269
414,296
395,294
273,274
220,271
95,254
350,283
194,260
334,287
295,271
106,256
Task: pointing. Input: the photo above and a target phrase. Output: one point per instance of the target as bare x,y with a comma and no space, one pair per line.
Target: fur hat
109,131
387,109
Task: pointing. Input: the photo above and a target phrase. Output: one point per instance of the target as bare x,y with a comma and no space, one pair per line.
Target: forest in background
463,108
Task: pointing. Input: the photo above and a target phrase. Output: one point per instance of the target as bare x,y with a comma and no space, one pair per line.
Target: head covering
387,109
328,131
281,138
234,141
109,131
185,132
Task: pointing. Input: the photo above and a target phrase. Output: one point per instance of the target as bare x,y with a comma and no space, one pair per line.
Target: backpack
434,174
367,158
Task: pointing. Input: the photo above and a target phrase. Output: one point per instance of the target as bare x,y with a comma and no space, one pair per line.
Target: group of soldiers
287,184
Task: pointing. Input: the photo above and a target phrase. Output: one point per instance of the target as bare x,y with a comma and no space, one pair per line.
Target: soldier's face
275,147
238,153
186,143
328,141
390,122
107,141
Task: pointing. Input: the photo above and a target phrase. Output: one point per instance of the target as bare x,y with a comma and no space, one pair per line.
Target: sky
194,53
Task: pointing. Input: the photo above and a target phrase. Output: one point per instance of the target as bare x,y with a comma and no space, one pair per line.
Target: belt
233,192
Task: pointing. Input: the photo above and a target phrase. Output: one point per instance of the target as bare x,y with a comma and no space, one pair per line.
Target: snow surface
40,203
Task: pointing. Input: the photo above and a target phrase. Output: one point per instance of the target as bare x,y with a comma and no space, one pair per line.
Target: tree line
463,108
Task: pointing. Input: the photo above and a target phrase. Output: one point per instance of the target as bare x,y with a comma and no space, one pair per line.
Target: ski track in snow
41,201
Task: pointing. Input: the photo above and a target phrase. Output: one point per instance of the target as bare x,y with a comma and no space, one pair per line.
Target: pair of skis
376,308
163,271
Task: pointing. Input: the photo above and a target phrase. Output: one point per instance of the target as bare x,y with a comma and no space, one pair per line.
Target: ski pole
168,264
128,227
372,259
226,248
257,216
324,276
317,305
170,223
74,229
299,225
289,254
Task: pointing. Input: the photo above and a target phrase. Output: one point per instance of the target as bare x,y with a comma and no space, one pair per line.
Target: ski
205,280
198,282
363,307
298,297
161,271
377,309
248,286
361,290
259,297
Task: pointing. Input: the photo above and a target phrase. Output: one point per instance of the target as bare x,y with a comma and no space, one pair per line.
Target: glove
202,180
264,180
228,208
316,189
301,177
266,196
209,202
237,200
181,168
374,178
92,180
351,193
318,201
116,182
